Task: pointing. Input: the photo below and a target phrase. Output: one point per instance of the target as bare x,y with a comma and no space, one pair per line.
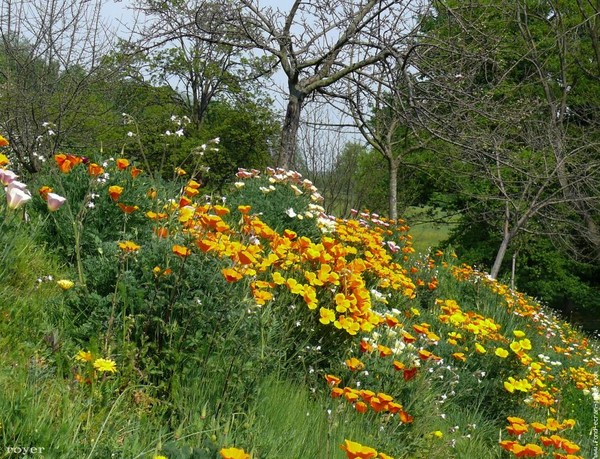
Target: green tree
503,83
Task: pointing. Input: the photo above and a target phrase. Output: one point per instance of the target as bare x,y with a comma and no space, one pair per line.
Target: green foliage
248,133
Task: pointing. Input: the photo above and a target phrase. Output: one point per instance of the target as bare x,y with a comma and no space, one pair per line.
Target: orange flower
244,209
365,346
190,192
332,380
161,232
3,142
337,392
127,209
181,251
361,407
410,373
355,450
122,164
94,170
184,201
231,275
405,417
384,351
459,356
135,171
354,364
220,210
129,246
424,354
115,192
408,338
517,429
66,162
44,192
538,427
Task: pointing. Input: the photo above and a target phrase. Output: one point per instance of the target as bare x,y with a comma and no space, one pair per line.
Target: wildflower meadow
143,318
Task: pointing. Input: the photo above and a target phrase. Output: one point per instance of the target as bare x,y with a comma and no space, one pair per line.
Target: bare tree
327,155
379,99
167,51
316,44
50,52
510,108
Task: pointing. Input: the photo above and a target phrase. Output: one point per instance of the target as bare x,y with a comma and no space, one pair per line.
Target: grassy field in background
428,226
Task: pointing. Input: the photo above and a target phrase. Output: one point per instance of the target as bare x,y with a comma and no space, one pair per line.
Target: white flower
179,133
16,197
130,134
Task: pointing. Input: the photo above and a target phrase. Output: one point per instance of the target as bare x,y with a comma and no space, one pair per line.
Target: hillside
143,319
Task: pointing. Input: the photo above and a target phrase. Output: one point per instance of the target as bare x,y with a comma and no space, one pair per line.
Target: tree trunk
393,190
289,132
507,235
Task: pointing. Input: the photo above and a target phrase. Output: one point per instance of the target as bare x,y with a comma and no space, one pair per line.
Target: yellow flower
3,142
129,246
179,171
234,453
479,348
518,333
525,344
105,365
502,353
515,347
160,457
327,316
84,356
3,160
65,284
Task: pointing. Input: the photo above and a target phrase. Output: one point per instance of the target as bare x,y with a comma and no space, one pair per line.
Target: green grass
429,227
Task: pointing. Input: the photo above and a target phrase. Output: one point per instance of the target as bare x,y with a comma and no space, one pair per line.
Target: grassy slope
459,408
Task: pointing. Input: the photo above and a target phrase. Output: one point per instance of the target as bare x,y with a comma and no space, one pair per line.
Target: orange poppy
355,450
231,275
135,171
405,417
122,163
181,251
127,209
332,380
410,373
44,192
94,170
161,232
115,192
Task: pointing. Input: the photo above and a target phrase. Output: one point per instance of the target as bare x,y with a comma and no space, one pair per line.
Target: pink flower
16,197
17,184
6,176
55,201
